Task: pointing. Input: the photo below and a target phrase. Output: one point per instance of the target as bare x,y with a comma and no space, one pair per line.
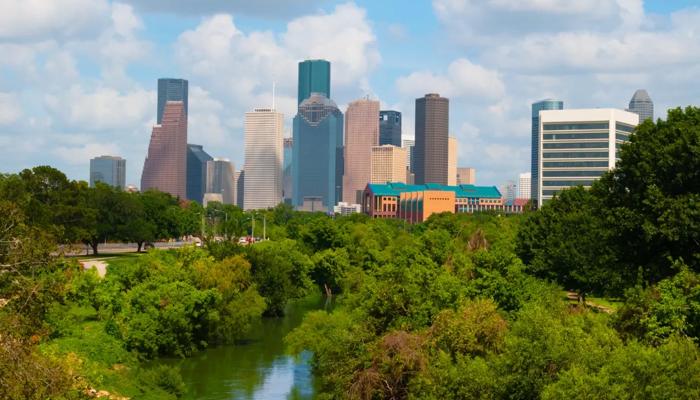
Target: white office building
524,185
263,159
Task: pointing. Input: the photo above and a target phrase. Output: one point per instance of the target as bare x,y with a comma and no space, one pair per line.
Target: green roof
461,191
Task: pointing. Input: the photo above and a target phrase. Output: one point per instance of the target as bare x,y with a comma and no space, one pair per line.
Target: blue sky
78,78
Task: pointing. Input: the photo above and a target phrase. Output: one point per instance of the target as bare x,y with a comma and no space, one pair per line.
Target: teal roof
461,191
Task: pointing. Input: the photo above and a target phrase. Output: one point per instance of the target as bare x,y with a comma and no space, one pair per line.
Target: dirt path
101,266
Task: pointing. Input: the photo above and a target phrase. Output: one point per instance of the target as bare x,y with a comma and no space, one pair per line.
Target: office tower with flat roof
578,146
108,169
221,176
390,128
196,172
452,161
466,176
239,182
547,104
314,77
263,158
361,134
317,160
525,185
642,105
288,147
165,168
388,164
432,147
170,89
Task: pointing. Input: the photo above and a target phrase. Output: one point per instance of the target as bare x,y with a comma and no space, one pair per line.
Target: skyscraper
263,158
361,134
239,182
165,168
466,176
547,104
452,161
317,160
388,164
525,186
221,179
390,128
431,152
196,172
170,89
288,148
314,77
409,145
108,169
642,105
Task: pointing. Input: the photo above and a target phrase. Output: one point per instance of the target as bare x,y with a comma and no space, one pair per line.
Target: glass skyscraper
547,104
196,172
314,77
108,169
170,89
390,128
642,105
287,148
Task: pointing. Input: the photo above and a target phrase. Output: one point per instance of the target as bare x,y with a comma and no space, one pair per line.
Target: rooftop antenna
273,95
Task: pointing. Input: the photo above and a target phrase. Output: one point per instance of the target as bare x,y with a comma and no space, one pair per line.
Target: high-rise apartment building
578,146
263,158
165,168
466,176
221,179
452,161
388,164
642,105
314,77
317,160
525,186
361,134
287,147
196,172
170,89
108,169
547,104
390,128
431,152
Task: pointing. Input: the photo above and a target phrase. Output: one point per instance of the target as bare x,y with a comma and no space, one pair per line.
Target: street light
225,219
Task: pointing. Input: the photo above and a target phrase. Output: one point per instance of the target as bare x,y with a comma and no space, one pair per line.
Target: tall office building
388,164
390,128
642,105
410,146
578,146
547,104
317,160
170,89
108,169
508,192
466,176
314,77
239,182
525,185
263,158
452,161
165,168
221,179
432,127
196,172
287,147
361,134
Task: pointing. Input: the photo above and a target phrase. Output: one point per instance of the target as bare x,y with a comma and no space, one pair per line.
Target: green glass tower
314,77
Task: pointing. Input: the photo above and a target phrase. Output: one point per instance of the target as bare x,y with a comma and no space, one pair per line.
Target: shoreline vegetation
595,295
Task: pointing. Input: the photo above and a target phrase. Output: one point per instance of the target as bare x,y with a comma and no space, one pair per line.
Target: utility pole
252,233
264,227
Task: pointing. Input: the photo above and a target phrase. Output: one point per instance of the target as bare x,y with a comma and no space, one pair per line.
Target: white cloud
10,110
32,19
258,8
81,154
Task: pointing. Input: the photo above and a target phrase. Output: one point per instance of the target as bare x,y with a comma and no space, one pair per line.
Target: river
257,368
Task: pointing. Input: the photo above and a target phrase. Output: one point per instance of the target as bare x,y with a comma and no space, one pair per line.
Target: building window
573,127
592,154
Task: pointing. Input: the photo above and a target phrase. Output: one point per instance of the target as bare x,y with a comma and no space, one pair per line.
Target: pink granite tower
166,162
361,134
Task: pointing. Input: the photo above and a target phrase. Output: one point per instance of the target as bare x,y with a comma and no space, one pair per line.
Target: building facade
239,182
388,164
196,172
390,128
171,89
317,156
547,104
578,146
287,149
642,105
314,77
410,146
466,176
110,170
452,161
361,135
263,158
524,186
221,176
431,148
165,168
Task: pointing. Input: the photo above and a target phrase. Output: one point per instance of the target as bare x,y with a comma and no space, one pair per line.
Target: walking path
99,264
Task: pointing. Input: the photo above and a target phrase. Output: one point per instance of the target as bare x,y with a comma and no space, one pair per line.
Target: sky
78,77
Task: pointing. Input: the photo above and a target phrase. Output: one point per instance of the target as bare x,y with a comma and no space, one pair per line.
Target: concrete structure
196,172
263,158
108,169
314,77
466,176
361,135
410,146
317,160
642,105
431,151
524,186
344,208
239,182
221,179
170,89
211,198
578,146
388,164
287,150
165,168
390,128
547,104
452,161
